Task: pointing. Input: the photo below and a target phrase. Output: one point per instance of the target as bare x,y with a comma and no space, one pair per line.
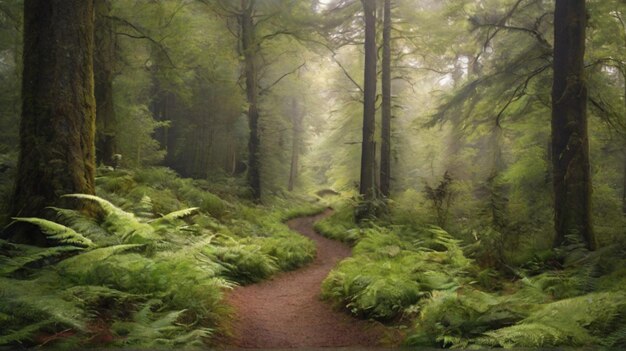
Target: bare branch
267,89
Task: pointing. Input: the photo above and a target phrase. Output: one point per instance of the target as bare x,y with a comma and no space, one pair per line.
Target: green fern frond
122,223
32,300
107,206
145,207
82,262
21,334
616,339
82,223
59,232
30,255
179,214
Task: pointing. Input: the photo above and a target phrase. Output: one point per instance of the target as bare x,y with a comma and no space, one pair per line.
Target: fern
15,334
83,224
122,223
151,329
32,305
81,263
180,214
145,207
28,255
58,232
576,321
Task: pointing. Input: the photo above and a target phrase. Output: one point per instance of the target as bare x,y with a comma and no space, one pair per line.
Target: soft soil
287,312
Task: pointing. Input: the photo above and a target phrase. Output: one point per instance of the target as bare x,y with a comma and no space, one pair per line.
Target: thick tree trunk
104,65
249,46
570,143
296,139
385,147
368,148
57,130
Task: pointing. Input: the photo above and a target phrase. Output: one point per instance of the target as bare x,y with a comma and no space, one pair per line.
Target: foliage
340,225
133,277
393,268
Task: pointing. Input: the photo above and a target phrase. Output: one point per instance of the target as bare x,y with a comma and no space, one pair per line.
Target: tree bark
57,129
368,147
385,147
296,140
624,155
570,143
249,46
104,65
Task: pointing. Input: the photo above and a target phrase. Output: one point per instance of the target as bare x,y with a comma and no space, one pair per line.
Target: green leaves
59,232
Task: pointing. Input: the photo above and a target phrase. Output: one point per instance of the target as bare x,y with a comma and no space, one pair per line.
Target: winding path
286,312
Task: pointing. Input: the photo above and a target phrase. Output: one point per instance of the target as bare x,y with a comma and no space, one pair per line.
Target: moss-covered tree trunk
249,47
570,143
385,147
104,70
367,186
57,130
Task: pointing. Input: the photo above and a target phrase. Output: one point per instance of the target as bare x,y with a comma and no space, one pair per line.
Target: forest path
287,312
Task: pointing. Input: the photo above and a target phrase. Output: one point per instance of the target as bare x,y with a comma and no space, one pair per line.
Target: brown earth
287,312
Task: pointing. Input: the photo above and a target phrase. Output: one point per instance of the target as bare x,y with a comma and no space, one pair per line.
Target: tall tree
570,143
57,130
104,64
249,47
367,187
296,141
385,147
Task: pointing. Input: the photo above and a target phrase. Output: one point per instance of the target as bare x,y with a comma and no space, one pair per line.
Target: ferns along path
287,312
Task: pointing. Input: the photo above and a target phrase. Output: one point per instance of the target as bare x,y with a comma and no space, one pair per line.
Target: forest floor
287,312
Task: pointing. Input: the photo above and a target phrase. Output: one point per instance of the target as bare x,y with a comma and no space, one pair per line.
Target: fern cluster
580,304
142,273
415,272
393,268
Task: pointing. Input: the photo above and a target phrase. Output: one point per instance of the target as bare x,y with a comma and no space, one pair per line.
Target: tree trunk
624,156
368,147
570,143
296,119
104,64
57,130
624,185
385,147
497,198
249,46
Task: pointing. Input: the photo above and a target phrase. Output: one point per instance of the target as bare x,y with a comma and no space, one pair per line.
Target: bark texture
570,143
249,47
104,70
368,148
385,147
57,130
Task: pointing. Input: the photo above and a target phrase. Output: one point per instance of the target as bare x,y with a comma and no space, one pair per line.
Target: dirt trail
286,312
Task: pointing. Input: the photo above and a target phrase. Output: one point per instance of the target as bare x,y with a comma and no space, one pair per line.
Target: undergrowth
149,271
452,297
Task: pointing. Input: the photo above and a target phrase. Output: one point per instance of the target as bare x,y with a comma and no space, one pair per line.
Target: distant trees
297,117
570,141
57,129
